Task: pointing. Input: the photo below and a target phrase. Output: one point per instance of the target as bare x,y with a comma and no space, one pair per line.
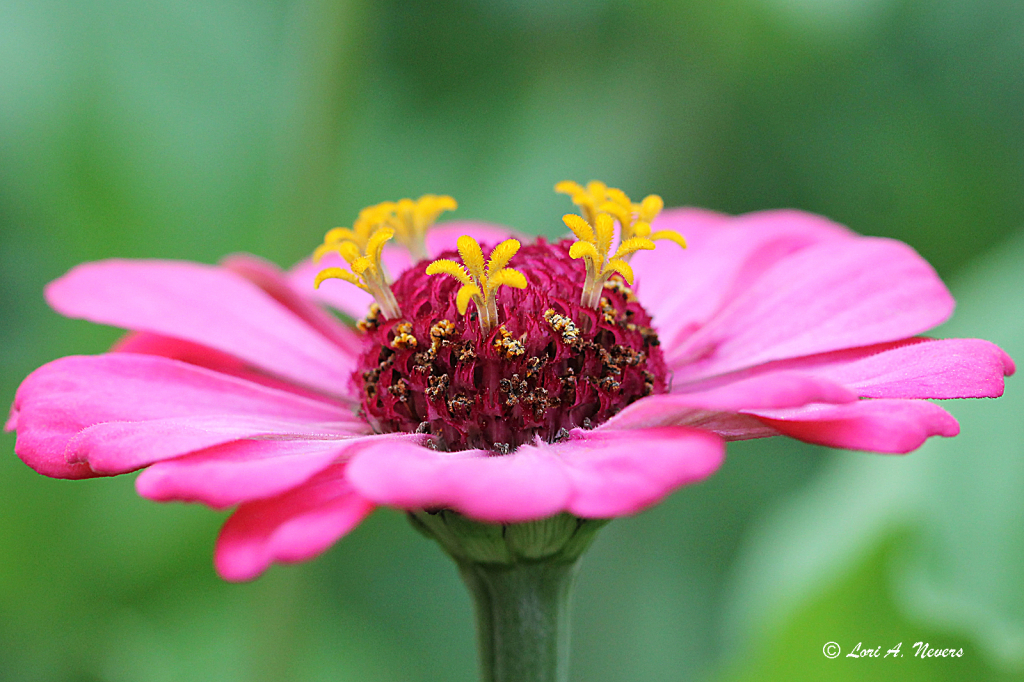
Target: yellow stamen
408,219
635,219
369,221
361,247
411,219
480,281
667,235
588,199
593,246
405,220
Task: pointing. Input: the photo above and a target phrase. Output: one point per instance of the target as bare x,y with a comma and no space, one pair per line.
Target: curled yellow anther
481,280
589,198
406,220
580,227
635,219
409,220
668,235
361,248
412,218
593,246
370,219
338,273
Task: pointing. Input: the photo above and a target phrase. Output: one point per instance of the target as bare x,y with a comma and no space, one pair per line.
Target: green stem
521,577
522,615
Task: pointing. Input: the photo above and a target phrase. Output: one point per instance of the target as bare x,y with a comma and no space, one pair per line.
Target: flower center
548,366
526,344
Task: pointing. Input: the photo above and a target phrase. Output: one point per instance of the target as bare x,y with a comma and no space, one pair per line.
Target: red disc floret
550,366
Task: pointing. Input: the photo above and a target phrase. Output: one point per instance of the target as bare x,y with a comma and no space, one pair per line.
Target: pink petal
116,447
595,474
912,368
613,473
725,255
236,472
893,426
247,470
783,389
352,300
207,305
292,527
61,399
787,397
146,343
916,368
530,484
269,277
834,295
950,368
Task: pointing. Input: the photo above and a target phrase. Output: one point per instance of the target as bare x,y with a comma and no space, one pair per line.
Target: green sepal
562,538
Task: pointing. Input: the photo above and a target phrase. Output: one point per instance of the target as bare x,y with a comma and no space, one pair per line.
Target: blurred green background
188,129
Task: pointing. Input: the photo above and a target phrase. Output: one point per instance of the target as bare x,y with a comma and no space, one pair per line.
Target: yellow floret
593,246
362,249
589,199
412,218
601,206
480,281
634,219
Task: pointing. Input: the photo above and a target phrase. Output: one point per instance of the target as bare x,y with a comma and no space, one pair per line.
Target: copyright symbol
831,650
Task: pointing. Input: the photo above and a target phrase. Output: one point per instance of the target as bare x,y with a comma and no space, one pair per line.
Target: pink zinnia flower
556,388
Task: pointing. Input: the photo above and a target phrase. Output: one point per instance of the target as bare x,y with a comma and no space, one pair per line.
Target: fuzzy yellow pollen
589,199
406,220
411,219
361,247
370,219
634,218
480,280
593,245
601,206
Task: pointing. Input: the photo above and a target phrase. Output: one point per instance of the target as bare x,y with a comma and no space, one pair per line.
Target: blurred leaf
903,128
649,594
858,608
968,571
959,500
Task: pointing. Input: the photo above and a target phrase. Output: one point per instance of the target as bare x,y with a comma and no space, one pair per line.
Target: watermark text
920,650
